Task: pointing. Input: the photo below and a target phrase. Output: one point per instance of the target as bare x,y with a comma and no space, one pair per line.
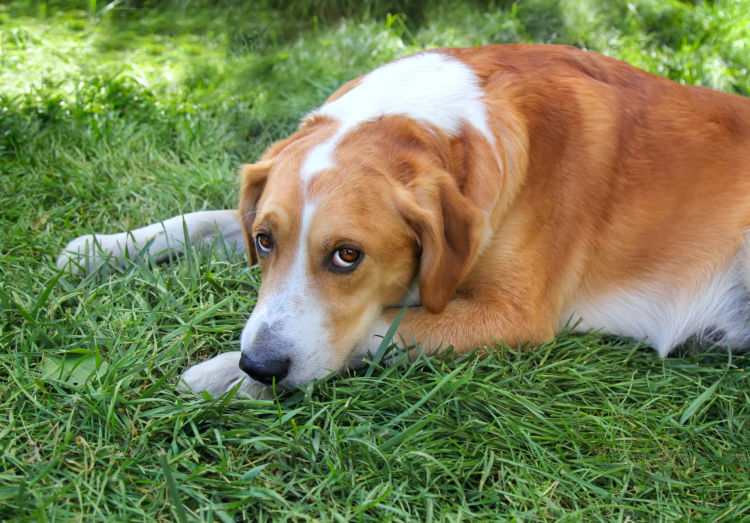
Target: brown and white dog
501,193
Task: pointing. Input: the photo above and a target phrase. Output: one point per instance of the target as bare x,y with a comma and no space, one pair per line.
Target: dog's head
356,208
342,234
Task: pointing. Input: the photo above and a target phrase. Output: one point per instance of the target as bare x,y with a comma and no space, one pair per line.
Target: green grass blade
172,488
387,340
698,402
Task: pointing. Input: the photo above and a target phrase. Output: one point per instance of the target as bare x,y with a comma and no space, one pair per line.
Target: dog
500,193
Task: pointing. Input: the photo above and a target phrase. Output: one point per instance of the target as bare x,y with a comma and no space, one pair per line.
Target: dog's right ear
449,229
253,181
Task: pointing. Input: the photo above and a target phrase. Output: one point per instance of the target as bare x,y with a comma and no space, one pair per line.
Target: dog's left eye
263,243
346,258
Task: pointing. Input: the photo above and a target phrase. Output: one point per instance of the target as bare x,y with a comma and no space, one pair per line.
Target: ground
114,115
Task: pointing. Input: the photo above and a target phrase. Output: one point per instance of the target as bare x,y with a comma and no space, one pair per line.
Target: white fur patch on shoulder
430,87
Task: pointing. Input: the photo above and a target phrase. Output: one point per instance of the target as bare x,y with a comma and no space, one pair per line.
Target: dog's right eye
263,243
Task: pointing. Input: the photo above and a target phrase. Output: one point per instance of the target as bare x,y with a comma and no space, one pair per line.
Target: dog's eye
346,258
263,243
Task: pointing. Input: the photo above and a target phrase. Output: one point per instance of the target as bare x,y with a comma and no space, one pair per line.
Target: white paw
86,253
219,375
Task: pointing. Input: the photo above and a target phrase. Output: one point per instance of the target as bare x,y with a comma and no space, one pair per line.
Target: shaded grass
117,114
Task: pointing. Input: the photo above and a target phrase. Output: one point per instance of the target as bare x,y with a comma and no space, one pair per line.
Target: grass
114,115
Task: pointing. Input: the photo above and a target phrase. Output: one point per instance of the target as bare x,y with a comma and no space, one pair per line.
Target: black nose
265,367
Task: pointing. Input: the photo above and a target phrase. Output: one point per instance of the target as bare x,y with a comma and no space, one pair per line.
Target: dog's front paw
219,375
86,253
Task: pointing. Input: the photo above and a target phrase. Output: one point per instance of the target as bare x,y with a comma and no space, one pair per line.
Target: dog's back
640,188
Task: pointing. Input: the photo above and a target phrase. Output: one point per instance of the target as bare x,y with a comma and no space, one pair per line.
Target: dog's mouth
281,371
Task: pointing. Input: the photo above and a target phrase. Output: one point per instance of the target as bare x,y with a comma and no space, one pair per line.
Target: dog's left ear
449,228
253,182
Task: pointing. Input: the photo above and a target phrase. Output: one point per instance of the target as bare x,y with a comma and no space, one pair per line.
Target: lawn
114,115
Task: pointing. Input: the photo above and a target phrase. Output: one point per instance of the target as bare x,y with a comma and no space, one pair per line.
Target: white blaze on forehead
295,288
295,313
298,275
432,88
321,156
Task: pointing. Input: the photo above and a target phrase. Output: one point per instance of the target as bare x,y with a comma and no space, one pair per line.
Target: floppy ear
252,184
449,228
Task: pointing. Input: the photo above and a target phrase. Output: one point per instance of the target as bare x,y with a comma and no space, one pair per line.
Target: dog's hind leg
159,240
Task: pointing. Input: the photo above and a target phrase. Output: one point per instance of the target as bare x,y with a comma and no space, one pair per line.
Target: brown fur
611,178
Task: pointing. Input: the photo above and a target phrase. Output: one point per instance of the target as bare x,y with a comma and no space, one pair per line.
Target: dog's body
502,193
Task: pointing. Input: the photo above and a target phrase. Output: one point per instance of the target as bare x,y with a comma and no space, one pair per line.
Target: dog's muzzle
268,358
